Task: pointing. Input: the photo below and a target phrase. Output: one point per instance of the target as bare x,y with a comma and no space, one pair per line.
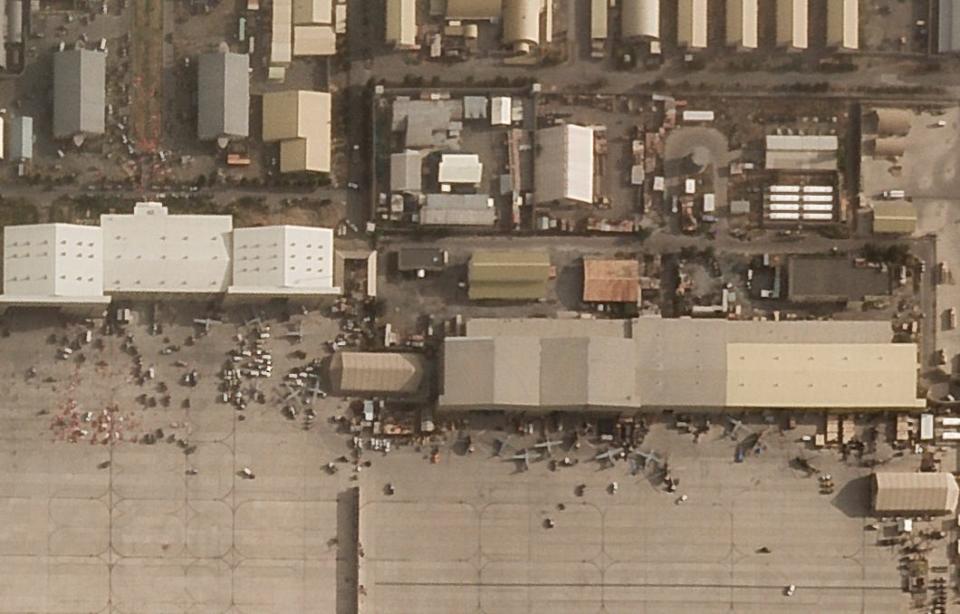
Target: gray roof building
21,138
949,33
406,171
79,92
223,96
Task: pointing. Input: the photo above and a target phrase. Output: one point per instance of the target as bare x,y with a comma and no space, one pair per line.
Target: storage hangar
510,275
283,260
894,217
521,24
892,122
679,363
792,23
640,19
458,210
611,281
843,24
301,121
599,10
79,93
20,138
406,171
889,147
742,24
692,23
53,264
223,96
313,12
474,10
948,39
564,164
402,23
791,152
309,41
377,373
150,251
826,279
914,494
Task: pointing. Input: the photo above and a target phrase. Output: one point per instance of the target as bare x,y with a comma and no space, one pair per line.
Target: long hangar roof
678,363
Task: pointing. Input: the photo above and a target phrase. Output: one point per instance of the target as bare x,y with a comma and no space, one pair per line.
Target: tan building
509,275
692,23
912,494
742,25
382,373
792,23
843,24
300,120
402,23
894,217
521,23
892,122
474,10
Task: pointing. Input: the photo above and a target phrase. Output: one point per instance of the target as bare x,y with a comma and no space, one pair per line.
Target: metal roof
20,132
890,147
640,19
564,164
474,9
521,21
843,23
830,279
894,217
402,22
406,171
692,23
509,274
460,168
151,251
742,24
314,41
611,281
377,372
892,122
599,10
223,95
949,33
280,259
420,258
528,372
792,23
79,92
301,120
914,493
458,210
52,260
312,12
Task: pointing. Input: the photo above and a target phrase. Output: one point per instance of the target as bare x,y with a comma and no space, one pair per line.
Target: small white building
52,264
283,260
464,169
501,110
151,251
564,164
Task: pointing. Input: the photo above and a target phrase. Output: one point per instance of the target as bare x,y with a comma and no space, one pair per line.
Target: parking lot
129,527
473,537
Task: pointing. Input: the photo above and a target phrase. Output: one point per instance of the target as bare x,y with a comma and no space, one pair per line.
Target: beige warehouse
300,120
376,372
914,493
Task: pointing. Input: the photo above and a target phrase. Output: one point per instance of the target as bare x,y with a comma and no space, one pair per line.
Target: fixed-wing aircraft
296,334
547,446
522,458
610,456
205,323
736,426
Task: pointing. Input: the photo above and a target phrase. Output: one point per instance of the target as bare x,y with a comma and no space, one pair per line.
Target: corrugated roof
521,21
283,258
843,23
532,372
460,168
458,210
890,147
79,96
792,23
742,26
474,9
893,122
692,23
406,171
223,95
949,33
611,281
53,260
377,372
640,19
828,279
314,41
402,22
564,163
509,275
21,138
301,120
894,216
915,493
598,19
312,12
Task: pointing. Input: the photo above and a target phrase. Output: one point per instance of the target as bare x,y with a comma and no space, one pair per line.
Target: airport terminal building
547,365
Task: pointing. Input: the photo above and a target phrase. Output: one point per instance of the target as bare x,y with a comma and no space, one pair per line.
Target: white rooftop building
564,164
151,251
283,260
52,264
460,169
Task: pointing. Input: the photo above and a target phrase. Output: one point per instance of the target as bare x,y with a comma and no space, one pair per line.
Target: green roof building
509,275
